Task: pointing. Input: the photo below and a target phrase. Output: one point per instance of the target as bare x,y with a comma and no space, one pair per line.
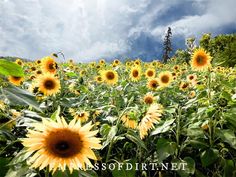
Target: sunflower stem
178,130
211,121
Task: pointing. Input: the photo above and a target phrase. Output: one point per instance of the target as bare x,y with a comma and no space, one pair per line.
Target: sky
87,30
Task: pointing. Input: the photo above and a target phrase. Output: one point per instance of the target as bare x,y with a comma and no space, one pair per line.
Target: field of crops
117,119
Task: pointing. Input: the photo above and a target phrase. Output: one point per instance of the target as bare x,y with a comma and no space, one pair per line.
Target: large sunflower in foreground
48,64
152,117
48,84
135,74
58,145
109,76
200,60
16,80
165,78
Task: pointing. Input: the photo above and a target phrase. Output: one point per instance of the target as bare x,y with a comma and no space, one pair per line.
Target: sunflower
165,78
148,98
135,74
137,62
82,73
58,145
200,60
19,62
2,105
15,80
38,62
116,62
152,117
83,116
102,61
153,83
48,84
33,68
191,77
184,86
176,67
150,73
192,94
129,123
38,72
109,76
48,64
98,79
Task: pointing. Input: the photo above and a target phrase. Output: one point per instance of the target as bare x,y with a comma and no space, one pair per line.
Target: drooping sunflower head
16,80
153,83
129,121
48,64
48,84
135,74
150,73
200,60
152,117
165,78
148,98
58,145
109,76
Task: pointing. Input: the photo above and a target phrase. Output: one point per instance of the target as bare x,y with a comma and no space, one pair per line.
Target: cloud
92,29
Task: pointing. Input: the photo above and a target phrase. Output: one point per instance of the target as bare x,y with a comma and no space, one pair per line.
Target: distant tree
222,48
167,45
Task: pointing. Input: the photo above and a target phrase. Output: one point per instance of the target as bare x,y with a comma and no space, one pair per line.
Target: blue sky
87,30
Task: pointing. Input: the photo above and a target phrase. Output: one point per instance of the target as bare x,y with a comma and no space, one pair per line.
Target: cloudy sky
87,30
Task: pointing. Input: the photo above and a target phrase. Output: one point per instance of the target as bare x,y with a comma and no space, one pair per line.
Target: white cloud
218,13
91,29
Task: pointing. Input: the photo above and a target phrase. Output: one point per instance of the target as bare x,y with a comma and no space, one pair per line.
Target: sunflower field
117,119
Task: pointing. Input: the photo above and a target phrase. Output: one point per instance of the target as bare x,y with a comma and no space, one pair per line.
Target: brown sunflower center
150,73
99,79
165,79
148,100
201,60
63,143
135,73
110,75
49,84
184,86
191,77
154,84
62,146
81,114
16,78
33,68
51,66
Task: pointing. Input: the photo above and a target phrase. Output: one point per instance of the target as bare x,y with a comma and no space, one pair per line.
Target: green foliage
8,68
222,48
